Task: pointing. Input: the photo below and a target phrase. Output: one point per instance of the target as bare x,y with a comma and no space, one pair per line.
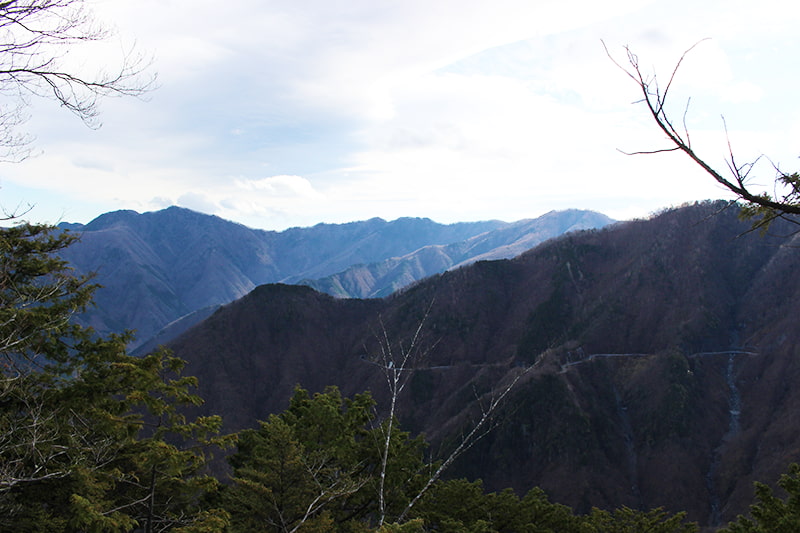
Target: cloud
280,187
454,109
743,91
197,201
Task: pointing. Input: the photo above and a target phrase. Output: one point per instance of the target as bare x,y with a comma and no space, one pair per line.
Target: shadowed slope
647,331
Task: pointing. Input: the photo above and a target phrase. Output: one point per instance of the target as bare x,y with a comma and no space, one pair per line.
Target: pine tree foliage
93,439
315,466
771,513
627,520
39,294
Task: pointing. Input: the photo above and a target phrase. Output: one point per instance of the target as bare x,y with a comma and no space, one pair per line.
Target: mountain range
163,271
382,278
656,361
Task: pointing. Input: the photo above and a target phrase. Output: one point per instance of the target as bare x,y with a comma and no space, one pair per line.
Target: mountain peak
106,220
175,261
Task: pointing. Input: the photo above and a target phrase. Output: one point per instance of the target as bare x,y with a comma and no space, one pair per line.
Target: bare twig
764,206
34,38
397,365
474,435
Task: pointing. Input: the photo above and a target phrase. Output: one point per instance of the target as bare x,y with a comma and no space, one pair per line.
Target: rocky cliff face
664,349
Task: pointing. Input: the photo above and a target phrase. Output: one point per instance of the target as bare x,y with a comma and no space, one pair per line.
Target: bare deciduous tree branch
397,365
477,432
35,38
785,200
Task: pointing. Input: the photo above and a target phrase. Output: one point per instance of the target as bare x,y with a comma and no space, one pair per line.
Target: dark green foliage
626,520
110,452
764,209
317,466
38,295
460,506
92,438
771,514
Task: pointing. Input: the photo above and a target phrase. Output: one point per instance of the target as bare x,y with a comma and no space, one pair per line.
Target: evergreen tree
770,513
627,520
92,438
461,506
315,467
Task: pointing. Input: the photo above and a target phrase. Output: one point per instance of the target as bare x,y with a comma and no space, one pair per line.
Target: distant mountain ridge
377,280
158,267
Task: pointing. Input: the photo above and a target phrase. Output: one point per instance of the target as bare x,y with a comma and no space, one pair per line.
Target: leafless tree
398,362
783,202
480,428
36,37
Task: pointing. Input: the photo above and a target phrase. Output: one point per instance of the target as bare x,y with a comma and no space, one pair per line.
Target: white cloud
280,186
743,91
197,201
454,109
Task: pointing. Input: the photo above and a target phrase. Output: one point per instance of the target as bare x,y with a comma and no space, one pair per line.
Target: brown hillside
645,396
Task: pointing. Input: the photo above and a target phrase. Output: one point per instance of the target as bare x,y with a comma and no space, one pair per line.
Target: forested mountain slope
664,349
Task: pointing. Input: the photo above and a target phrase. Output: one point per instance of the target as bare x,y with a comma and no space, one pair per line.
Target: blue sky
289,113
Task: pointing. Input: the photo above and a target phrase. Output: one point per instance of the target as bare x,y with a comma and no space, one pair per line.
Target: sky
282,113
